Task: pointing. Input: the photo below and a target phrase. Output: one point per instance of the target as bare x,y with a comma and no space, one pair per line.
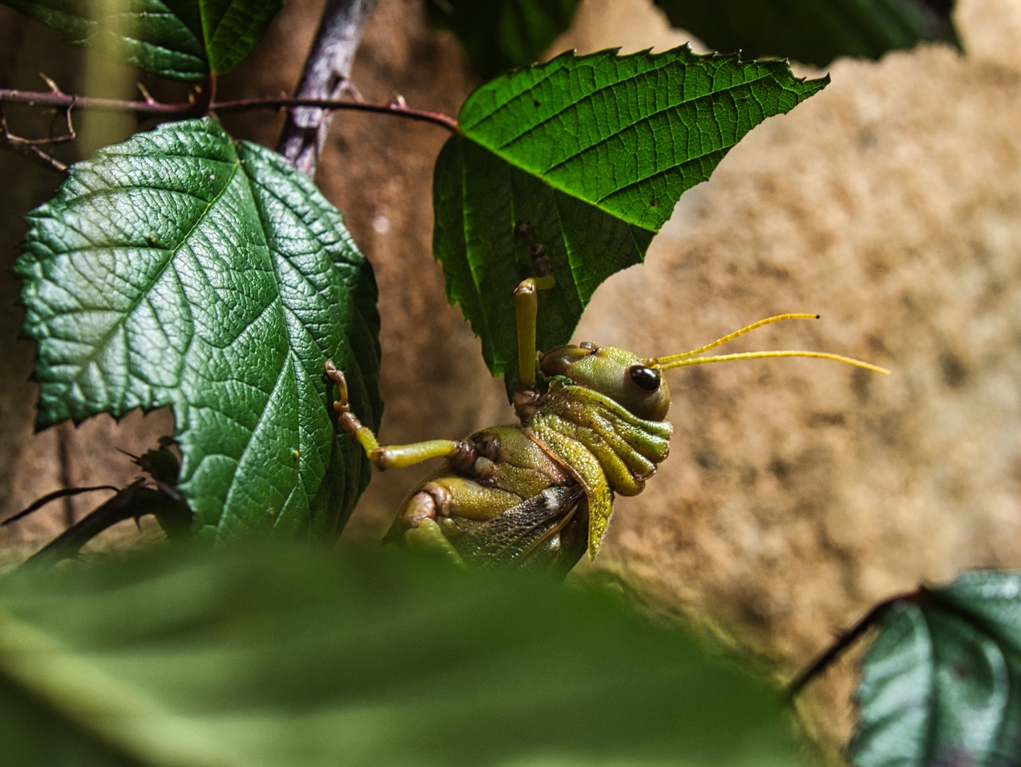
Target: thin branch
845,640
326,74
55,495
30,148
151,108
132,502
336,105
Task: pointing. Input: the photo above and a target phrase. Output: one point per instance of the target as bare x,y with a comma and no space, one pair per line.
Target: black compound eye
645,378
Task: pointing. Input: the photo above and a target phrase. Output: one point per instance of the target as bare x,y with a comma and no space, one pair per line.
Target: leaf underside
502,34
179,268
302,657
176,39
941,684
814,31
592,152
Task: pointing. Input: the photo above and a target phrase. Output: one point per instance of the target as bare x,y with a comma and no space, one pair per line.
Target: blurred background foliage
292,656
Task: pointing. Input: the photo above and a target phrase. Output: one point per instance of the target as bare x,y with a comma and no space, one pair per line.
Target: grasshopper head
614,373
637,384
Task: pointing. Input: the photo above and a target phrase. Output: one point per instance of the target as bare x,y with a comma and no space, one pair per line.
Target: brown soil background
798,492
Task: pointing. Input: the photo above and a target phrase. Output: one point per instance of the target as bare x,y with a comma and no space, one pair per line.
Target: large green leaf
502,34
179,268
941,684
306,658
813,31
177,39
592,152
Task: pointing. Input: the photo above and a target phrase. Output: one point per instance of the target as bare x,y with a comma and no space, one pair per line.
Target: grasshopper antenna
689,358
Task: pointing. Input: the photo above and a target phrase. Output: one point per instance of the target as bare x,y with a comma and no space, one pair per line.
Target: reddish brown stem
180,110
396,110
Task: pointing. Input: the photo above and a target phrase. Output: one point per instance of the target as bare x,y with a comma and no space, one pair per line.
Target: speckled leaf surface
181,269
502,34
941,684
305,657
593,152
176,39
814,31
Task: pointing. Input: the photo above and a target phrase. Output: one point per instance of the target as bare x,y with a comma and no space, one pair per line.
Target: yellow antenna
688,358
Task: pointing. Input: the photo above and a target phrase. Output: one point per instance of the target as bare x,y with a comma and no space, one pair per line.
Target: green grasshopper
540,493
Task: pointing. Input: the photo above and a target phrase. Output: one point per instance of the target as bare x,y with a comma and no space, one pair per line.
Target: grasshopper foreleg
460,453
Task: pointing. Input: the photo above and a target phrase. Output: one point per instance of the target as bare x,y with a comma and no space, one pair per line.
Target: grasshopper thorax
615,373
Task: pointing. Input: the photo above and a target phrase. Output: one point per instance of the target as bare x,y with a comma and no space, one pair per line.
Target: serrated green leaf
305,657
592,152
814,31
179,268
176,39
503,34
941,684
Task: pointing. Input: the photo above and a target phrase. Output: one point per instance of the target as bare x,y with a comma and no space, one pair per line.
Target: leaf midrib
44,677
143,294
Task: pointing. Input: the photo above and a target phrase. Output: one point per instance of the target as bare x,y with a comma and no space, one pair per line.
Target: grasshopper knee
428,503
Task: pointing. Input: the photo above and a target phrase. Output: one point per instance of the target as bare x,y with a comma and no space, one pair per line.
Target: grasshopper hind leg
418,526
428,537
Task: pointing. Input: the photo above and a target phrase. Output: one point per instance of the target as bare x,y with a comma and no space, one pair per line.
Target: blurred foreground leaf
503,34
941,684
179,268
309,657
813,31
176,39
592,152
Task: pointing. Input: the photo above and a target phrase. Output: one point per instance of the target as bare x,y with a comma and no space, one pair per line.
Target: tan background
799,492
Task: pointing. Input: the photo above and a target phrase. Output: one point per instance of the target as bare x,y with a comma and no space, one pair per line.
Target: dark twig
132,502
845,640
30,148
326,74
64,493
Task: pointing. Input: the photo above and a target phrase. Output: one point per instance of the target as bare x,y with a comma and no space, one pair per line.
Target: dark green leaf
503,34
941,684
592,152
177,39
178,268
306,658
813,31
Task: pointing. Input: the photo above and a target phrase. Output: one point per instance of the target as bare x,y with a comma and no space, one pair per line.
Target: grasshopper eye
645,378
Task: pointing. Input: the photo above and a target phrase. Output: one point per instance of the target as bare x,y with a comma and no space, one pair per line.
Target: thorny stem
54,496
336,105
132,502
31,148
152,108
326,76
324,81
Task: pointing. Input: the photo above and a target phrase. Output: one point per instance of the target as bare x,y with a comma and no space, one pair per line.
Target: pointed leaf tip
593,152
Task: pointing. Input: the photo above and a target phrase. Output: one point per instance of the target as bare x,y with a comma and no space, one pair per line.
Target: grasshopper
539,494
